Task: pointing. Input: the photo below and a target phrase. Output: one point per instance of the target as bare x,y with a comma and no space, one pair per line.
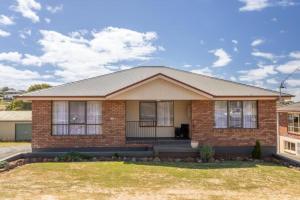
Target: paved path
12,150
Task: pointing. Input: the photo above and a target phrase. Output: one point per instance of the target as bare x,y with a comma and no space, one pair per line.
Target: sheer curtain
94,117
250,114
77,118
165,113
60,118
235,114
220,114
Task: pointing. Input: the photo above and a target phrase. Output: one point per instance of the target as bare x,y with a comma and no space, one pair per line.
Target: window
76,118
235,114
289,147
165,113
147,113
221,114
156,113
249,114
294,122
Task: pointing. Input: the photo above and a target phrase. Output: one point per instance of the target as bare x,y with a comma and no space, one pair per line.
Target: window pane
77,112
235,114
77,129
165,113
221,114
60,117
290,122
94,129
147,113
250,114
296,122
94,112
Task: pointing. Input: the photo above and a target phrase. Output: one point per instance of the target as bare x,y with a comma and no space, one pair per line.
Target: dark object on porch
182,132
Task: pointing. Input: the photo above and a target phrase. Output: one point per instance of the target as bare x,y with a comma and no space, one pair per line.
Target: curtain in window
235,114
290,122
220,114
60,118
94,117
147,113
296,123
165,113
250,114
77,118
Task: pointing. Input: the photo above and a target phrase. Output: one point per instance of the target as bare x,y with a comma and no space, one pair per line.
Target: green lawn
11,144
122,180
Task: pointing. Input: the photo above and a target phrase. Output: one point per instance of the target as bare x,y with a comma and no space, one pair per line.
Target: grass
12,144
125,180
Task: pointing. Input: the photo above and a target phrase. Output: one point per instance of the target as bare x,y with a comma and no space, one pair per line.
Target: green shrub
3,164
206,153
73,157
256,153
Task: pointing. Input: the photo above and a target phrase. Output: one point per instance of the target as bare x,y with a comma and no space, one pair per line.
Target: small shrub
73,157
256,153
206,153
3,164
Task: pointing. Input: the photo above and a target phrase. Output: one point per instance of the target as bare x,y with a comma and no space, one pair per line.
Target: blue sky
251,41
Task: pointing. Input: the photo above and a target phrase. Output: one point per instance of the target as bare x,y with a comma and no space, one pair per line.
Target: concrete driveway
8,151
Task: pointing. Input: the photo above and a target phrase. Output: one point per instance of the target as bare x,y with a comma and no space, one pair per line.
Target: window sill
72,135
293,133
290,152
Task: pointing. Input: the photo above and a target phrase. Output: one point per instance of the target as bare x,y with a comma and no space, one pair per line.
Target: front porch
162,122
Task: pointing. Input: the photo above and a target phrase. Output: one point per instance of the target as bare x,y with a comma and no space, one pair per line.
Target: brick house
145,105
289,129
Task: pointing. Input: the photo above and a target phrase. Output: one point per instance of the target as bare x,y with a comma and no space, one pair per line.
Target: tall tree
36,87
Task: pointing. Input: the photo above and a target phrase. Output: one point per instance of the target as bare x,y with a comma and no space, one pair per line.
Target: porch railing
141,129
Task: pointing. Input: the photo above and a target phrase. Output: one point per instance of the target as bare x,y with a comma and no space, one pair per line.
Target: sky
249,41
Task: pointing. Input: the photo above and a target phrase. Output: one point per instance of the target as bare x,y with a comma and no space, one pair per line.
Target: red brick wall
283,126
113,128
203,126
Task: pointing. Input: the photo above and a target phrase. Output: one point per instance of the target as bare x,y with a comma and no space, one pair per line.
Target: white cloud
235,49
47,20
257,42
4,33
254,5
295,54
223,57
295,91
257,74
187,66
293,82
264,55
289,67
204,71
5,20
25,33
54,9
10,56
272,81
28,9
234,41
257,5
75,56
232,78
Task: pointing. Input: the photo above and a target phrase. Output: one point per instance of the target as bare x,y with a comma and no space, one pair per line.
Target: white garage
15,125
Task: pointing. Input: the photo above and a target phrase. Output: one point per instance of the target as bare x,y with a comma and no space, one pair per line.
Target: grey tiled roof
295,107
109,83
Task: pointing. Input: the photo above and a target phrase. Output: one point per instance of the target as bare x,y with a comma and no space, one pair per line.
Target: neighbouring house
289,129
15,125
143,106
11,94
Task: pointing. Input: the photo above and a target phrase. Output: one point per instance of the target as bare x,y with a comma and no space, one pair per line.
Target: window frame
69,123
289,147
242,115
156,107
293,125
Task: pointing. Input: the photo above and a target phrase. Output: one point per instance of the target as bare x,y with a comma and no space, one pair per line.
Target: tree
36,87
18,105
21,105
4,89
